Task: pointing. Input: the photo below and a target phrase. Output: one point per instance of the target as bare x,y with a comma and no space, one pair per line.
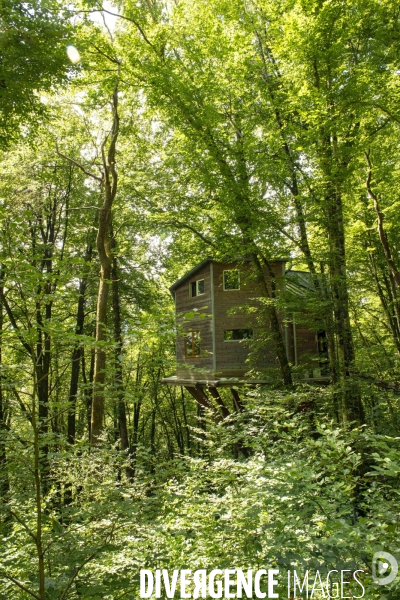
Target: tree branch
14,323
381,230
139,27
180,225
20,585
81,167
24,525
114,60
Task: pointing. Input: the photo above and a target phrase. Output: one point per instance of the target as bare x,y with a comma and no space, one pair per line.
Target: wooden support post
236,399
215,394
201,398
193,391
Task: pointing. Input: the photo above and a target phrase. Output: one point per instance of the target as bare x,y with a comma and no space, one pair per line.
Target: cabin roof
190,273
299,282
209,259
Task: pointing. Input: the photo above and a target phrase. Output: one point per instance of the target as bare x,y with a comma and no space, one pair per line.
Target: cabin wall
197,368
231,356
223,358
307,348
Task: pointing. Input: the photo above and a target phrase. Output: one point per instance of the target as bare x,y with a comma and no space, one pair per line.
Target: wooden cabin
219,319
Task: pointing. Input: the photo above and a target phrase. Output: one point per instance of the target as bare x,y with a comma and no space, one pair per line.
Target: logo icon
380,564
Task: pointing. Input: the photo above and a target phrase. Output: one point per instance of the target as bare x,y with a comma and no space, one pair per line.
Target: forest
138,138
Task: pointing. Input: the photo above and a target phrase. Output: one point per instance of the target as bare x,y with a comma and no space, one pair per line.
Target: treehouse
223,328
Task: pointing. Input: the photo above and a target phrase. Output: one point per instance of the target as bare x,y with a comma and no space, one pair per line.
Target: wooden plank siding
194,368
231,357
225,310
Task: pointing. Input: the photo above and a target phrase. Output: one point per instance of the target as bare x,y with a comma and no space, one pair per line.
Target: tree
268,129
28,30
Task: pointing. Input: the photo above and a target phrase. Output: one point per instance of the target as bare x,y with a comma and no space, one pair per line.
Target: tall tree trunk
136,413
381,230
39,486
88,384
153,438
77,352
135,435
105,255
388,301
270,76
4,479
177,425
243,220
202,425
119,386
43,349
394,296
273,82
185,421
276,331
352,409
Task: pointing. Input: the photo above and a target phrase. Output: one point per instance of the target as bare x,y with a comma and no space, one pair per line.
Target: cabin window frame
223,280
194,341
196,282
250,337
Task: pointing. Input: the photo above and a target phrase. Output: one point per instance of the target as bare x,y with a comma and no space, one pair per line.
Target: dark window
233,335
196,288
231,280
192,344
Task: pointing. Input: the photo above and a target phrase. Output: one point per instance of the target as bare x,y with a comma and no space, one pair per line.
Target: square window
192,344
235,335
196,288
231,280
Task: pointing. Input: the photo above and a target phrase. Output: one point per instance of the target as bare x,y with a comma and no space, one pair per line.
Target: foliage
33,40
265,129
216,512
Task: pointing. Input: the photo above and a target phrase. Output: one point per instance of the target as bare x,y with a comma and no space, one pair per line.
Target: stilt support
201,398
215,394
237,401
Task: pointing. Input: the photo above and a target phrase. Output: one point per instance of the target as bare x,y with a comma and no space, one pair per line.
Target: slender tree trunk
185,421
119,386
177,426
108,181
135,435
100,353
381,230
201,423
352,409
389,303
4,480
136,414
88,384
38,478
105,255
393,294
153,437
274,321
77,353
272,82
76,359
43,362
